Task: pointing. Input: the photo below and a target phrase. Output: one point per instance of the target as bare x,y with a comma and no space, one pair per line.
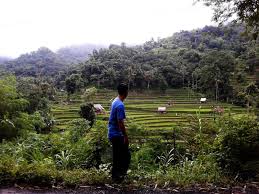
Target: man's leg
117,158
126,158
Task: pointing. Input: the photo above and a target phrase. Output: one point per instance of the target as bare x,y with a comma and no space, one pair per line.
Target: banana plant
64,159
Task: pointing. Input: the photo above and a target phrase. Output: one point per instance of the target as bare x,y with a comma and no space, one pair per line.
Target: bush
38,173
89,147
237,147
146,156
8,169
203,169
79,128
87,112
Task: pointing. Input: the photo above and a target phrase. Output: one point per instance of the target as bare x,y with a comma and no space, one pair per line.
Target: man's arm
122,127
123,130
121,117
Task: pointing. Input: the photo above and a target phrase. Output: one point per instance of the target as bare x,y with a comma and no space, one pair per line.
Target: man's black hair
122,89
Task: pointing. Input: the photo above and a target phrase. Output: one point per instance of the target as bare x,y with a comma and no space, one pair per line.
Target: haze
29,24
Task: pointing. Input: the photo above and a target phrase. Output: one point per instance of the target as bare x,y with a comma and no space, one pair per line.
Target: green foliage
203,170
64,160
248,96
237,147
88,113
246,11
215,74
38,94
8,169
89,94
205,60
42,62
146,156
98,142
79,128
73,84
167,158
13,120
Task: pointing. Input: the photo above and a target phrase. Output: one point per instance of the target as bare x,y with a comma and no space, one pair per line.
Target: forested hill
77,53
203,59
4,59
45,62
42,62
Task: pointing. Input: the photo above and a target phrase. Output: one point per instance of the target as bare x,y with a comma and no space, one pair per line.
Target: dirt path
84,190
108,189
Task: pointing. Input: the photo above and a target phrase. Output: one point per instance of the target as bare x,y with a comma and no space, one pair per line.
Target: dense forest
218,61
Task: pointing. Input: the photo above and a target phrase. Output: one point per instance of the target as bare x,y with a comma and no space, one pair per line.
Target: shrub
79,127
87,112
91,148
237,147
8,169
37,173
79,176
146,156
203,169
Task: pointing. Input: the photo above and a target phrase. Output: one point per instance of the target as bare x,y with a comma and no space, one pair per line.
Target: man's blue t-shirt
117,113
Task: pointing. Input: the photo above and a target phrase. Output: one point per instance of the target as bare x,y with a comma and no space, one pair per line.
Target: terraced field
141,108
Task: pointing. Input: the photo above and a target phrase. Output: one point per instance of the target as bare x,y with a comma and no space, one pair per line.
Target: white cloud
29,24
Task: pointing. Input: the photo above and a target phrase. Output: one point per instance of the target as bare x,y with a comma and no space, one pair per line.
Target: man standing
118,136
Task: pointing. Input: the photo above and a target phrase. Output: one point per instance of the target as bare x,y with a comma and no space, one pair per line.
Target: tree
148,76
215,74
13,119
252,93
87,112
246,11
73,84
89,94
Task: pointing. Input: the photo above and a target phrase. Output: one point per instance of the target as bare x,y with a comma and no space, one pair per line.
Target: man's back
117,113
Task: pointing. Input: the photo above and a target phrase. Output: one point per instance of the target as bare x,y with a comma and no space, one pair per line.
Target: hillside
45,62
77,53
4,59
42,62
210,60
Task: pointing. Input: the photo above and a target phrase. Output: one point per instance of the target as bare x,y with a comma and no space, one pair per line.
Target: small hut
99,109
203,100
161,110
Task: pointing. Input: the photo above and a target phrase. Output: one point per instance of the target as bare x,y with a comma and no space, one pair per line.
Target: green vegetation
45,142
246,11
180,147
217,61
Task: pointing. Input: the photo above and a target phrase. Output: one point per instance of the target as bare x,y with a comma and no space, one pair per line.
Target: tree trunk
183,80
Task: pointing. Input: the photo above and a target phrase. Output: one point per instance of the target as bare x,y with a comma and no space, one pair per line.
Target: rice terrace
182,107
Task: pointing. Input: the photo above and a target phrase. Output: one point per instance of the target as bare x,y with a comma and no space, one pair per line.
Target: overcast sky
26,25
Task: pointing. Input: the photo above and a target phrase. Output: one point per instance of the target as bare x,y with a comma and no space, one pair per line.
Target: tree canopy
246,11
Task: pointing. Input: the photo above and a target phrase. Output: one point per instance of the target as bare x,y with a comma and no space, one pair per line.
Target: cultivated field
141,109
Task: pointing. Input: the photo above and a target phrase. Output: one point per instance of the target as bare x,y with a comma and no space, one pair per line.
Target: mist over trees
4,59
77,53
